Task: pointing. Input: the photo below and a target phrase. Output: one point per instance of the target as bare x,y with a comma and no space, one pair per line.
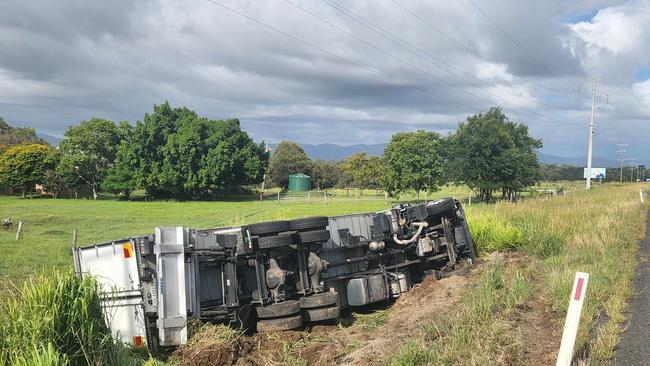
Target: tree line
489,153
174,153
171,153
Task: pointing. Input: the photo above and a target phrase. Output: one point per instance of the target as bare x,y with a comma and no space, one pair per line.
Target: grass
210,344
46,239
57,320
596,232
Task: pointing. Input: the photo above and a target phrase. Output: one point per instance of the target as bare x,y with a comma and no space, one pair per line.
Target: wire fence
347,195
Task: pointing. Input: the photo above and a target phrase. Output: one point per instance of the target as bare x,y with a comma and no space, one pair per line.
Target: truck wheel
269,227
320,314
464,240
319,300
440,206
274,241
278,310
272,325
315,236
316,222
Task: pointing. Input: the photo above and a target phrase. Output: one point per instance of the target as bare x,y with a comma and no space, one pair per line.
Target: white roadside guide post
573,319
641,195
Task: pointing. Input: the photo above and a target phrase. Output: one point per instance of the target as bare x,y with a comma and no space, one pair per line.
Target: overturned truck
270,276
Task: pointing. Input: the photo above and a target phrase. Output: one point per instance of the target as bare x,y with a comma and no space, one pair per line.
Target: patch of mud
406,317
539,329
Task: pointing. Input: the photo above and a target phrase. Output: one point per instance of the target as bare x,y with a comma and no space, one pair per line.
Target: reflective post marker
641,195
573,319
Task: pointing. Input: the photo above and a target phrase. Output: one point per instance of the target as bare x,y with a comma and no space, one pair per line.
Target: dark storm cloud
61,62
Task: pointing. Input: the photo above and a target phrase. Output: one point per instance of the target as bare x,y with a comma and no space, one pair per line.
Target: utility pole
621,160
591,132
591,129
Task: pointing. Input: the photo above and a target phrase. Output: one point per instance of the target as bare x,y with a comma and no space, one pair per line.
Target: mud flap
172,302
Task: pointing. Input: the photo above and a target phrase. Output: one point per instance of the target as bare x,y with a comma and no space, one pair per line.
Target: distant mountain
339,152
576,161
50,139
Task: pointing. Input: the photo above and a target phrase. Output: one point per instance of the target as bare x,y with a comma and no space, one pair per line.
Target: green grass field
48,223
595,231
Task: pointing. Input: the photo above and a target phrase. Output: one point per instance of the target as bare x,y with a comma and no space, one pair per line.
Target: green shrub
493,233
56,319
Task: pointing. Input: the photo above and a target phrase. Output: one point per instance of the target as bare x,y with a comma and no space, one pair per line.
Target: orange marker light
138,341
128,251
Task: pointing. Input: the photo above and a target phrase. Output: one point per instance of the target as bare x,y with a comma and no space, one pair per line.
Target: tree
52,181
120,177
490,153
287,158
328,174
177,154
555,172
365,169
412,161
23,166
17,135
87,152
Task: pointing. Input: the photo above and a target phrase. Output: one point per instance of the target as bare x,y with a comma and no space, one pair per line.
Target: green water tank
299,182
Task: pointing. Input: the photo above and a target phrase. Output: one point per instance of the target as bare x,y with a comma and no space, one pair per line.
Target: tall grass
492,233
473,335
56,319
595,231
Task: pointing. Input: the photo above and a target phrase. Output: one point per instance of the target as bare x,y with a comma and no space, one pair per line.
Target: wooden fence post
74,238
20,229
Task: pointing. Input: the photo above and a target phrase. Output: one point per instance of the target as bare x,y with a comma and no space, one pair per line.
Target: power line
408,63
521,47
467,48
342,58
427,57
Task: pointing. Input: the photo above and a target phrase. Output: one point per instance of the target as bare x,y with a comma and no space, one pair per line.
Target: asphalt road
634,349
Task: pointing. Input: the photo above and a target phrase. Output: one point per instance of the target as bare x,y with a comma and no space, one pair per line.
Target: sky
337,71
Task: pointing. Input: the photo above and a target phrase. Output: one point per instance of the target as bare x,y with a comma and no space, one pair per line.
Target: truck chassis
270,276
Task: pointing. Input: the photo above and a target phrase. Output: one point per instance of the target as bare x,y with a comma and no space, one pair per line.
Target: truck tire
269,227
317,222
278,310
319,300
273,325
315,236
440,206
320,314
464,240
274,241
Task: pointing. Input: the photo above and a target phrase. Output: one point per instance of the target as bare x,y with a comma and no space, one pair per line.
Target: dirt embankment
372,336
364,339
406,318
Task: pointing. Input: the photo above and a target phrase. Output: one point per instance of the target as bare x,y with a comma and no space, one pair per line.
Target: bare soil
539,330
406,317
350,342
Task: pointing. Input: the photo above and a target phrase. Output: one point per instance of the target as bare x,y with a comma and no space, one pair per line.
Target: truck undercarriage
270,276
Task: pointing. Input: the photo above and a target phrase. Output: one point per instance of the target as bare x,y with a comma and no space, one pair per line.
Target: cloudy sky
338,71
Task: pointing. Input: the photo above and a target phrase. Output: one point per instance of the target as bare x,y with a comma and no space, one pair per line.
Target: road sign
596,173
